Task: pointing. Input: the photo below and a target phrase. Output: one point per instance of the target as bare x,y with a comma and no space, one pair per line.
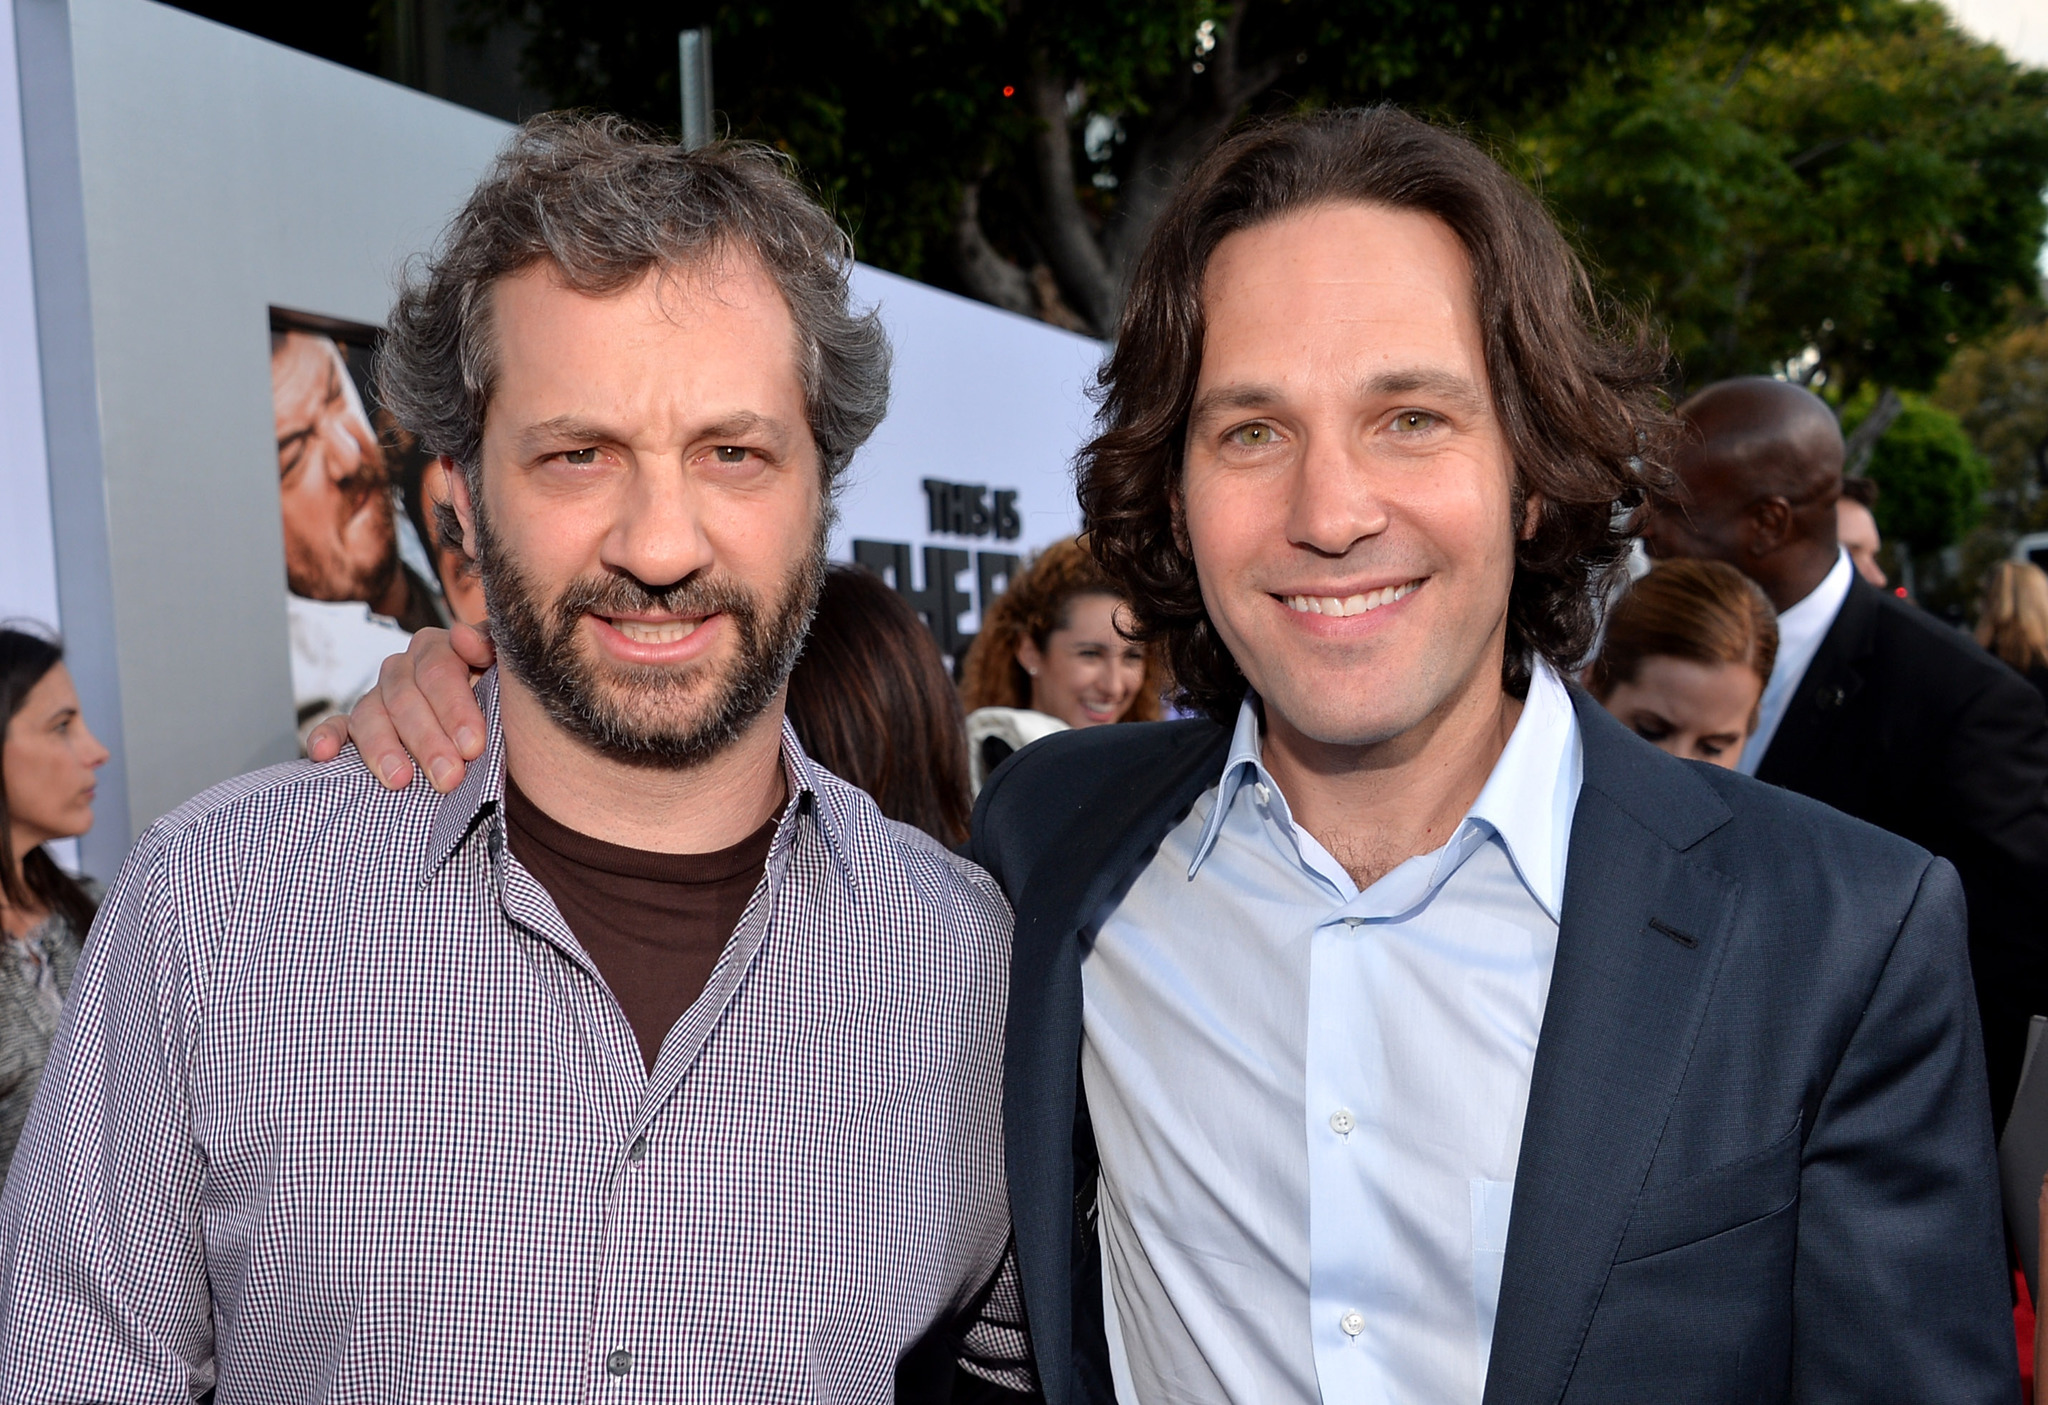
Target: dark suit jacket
1905,722
1757,1163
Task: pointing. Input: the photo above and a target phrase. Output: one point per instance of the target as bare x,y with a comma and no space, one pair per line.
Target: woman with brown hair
1683,664
47,760
2014,621
871,703
1052,655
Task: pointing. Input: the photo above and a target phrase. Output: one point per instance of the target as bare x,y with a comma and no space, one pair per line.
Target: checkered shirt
341,1111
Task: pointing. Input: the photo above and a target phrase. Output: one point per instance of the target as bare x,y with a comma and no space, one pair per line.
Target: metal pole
694,53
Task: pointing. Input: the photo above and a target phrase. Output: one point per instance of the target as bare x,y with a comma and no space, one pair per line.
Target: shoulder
1099,774
1935,655
255,824
889,860
1769,839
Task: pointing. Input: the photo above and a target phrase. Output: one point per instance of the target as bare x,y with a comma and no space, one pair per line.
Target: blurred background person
2013,623
1049,657
353,600
1683,663
1856,528
871,703
47,762
1874,706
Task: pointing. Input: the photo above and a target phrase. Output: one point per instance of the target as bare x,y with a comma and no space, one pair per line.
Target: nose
1333,504
658,533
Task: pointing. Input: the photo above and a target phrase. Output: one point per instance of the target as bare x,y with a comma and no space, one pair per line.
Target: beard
660,716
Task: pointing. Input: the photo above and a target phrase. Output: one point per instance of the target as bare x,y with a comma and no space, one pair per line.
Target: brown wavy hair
1701,611
1576,385
871,703
1035,605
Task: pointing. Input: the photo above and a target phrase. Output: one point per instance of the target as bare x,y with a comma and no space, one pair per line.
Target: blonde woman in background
1050,656
2014,621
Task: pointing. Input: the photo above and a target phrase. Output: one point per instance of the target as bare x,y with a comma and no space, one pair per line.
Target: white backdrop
28,564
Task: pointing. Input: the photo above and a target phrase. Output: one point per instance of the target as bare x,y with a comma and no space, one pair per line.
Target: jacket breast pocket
1714,1201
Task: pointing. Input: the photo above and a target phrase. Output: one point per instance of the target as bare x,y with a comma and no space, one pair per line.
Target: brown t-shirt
654,923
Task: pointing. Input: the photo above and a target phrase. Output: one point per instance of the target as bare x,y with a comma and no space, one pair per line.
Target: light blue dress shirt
1308,1099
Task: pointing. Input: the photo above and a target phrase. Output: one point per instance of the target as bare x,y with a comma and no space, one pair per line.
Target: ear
1770,525
1029,655
1532,515
458,499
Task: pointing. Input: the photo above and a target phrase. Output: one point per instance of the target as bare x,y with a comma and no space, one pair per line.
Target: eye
1650,729
1414,421
729,454
1254,436
582,458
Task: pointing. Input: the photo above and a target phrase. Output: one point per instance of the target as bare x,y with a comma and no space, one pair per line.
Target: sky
2020,27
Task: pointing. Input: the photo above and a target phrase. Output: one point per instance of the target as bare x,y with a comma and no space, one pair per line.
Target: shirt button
621,1361
1354,921
1342,1123
638,1149
1352,1322
1265,795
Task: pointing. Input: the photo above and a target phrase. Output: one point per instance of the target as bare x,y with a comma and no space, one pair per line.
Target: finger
473,645
325,741
443,676
418,727
377,743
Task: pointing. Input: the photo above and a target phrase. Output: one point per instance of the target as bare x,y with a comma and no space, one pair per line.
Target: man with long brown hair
1403,1028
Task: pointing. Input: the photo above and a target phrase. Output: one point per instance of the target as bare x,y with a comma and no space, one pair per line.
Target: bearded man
652,1062
1404,1028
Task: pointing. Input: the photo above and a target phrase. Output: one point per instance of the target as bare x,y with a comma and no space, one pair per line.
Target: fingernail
443,772
387,772
466,738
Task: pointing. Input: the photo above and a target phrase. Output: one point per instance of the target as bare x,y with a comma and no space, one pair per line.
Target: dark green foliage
1930,479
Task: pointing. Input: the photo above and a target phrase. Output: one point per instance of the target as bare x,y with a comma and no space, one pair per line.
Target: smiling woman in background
1049,657
47,761
1686,654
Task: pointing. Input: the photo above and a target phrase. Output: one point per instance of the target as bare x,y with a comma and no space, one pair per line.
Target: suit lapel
1097,857
1638,949
1835,676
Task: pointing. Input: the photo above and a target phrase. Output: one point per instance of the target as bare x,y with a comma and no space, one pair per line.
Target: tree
1930,478
1999,391
1848,203
1020,149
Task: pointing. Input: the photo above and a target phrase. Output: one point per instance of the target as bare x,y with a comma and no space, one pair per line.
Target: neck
1378,805
1798,575
689,810
14,918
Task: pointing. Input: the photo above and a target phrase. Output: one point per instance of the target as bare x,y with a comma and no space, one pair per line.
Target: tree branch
1858,448
1068,236
987,274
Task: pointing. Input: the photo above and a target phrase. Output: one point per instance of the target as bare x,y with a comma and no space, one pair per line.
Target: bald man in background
1874,706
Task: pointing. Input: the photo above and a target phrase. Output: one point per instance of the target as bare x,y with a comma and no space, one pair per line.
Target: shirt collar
482,792
1808,622
1528,800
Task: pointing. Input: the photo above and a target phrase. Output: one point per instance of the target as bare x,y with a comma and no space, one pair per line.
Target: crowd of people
685,985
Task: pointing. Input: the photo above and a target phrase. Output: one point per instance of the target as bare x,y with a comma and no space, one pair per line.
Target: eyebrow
1445,385
573,429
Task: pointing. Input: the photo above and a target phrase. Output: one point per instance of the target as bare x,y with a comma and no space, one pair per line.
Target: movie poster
364,563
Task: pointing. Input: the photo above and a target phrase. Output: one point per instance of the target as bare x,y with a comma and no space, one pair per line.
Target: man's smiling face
652,533
1348,491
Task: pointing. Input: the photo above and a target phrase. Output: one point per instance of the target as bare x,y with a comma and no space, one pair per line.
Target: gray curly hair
604,200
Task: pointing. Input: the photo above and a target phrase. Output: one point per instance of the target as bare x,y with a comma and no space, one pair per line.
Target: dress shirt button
1342,1123
638,1149
1354,921
621,1361
1352,1322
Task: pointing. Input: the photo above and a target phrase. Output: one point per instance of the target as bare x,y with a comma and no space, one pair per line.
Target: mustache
624,595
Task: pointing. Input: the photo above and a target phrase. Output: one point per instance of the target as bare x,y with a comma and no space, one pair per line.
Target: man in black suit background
1874,706
1403,1027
